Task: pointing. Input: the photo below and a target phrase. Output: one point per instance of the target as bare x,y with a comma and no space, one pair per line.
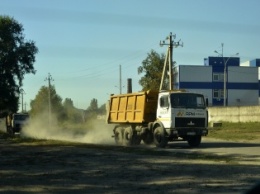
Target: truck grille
190,122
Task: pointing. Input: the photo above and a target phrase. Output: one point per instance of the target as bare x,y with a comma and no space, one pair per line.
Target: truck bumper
17,128
183,132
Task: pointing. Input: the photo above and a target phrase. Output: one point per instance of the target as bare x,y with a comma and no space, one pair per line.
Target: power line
108,68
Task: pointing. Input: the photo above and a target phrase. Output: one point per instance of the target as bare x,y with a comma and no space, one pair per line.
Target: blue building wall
195,79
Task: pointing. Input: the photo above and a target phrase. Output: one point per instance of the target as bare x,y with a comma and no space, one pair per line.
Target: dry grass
237,131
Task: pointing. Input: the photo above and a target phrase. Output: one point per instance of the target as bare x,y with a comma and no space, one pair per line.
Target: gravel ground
88,168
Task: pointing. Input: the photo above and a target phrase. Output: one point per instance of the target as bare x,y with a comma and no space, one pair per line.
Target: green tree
71,113
41,102
152,68
93,105
92,110
102,109
17,57
68,103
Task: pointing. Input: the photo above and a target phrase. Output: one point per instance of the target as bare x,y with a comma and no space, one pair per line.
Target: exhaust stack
129,85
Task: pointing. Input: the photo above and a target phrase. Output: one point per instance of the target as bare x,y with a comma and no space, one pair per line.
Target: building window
217,77
218,94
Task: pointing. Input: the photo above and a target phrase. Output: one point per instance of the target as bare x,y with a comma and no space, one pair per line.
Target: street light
225,75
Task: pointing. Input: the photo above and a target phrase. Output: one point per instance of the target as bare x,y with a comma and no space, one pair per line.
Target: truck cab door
164,111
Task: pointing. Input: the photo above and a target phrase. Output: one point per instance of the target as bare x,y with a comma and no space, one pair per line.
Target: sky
82,43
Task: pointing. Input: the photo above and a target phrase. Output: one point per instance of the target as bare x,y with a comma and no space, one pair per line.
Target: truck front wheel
194,141
148,138
10,130
160,138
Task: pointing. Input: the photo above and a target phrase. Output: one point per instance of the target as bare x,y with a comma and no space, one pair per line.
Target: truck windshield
21,117
186,100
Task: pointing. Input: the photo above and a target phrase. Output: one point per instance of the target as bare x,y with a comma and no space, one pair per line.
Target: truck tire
148,138
160,138
10,131
136,139
118,135
194,141
128,136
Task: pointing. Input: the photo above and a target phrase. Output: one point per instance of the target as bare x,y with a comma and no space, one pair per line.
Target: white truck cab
15,122
182,115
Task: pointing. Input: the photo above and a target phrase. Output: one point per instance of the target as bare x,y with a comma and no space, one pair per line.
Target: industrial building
220,77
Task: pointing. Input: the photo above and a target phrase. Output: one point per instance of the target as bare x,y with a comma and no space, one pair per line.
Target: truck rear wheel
136,139
160,138
118,135
194,141
128,136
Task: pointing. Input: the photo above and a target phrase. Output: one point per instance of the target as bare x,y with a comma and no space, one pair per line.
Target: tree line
63,110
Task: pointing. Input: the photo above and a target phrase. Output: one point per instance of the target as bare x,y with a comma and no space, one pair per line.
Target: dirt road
243,152
88,168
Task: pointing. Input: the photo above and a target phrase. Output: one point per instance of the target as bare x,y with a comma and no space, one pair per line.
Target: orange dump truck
158,117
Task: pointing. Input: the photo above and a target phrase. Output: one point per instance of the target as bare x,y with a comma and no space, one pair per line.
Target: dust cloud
94,131
2,125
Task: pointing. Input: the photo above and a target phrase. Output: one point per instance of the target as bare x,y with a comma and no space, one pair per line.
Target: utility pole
169,59
22,93
120,80
25,105
49,79
222,50
224,73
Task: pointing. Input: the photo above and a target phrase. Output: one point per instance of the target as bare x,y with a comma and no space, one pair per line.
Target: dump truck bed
133,107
